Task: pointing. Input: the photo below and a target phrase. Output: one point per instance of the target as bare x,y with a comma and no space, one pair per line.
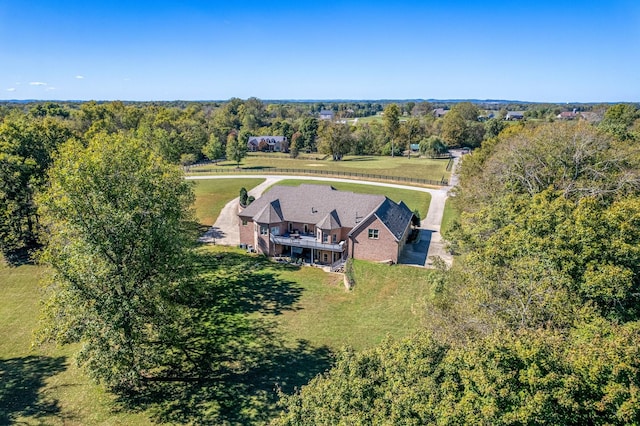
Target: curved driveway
225,231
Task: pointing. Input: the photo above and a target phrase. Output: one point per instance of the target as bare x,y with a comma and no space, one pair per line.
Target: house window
334,238
373,234
290,226
244,222
264,230
325,257
306,228
275,230
325,238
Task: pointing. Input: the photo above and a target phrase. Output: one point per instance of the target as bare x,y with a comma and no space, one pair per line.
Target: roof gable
396,217
270,213
330,221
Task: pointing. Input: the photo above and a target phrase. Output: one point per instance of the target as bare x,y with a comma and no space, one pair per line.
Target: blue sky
545,51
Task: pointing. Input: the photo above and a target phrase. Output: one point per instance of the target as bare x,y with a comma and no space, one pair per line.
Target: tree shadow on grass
21,380
235,397
242,359
254,168
247,284
358,159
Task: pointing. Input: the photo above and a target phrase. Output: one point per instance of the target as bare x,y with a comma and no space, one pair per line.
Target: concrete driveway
226,230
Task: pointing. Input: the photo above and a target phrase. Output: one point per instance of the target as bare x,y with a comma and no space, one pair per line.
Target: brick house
325,226
270,143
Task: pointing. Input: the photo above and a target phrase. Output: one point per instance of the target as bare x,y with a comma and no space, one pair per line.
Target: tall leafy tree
335,139
296,144
433,146
117,220
236,149
214,150
392,124
309,131
252,114
460,127
619,119
26,148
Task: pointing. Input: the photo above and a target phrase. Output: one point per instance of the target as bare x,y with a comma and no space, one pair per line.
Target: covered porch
309,250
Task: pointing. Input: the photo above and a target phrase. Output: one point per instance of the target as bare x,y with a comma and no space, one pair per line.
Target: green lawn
315,317
450,215
212,195
386,301
42,385
420,168
413,199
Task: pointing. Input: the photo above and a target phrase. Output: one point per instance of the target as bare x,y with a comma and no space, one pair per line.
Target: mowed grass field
212,195
386,301
420,168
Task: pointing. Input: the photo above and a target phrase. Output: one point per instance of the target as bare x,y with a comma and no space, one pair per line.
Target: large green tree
309,132
335,139
214,150
236,148
460,126
26,148
392,124
619,119
117,221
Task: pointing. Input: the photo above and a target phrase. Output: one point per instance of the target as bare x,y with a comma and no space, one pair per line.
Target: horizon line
334,100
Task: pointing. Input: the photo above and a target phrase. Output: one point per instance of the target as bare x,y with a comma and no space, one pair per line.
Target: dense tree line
537,322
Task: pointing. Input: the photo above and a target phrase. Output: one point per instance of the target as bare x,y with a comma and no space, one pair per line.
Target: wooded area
536,322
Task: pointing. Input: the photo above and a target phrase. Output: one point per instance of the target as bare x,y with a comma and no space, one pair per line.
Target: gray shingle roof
270,213
312,204
330,221
396,217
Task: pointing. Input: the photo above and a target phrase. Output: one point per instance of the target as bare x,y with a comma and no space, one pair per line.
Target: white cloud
37,83
79,77
11,89
48,89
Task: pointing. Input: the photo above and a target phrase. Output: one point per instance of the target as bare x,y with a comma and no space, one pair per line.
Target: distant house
514,115
567,115
266,143
326,114
324,226
439,112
